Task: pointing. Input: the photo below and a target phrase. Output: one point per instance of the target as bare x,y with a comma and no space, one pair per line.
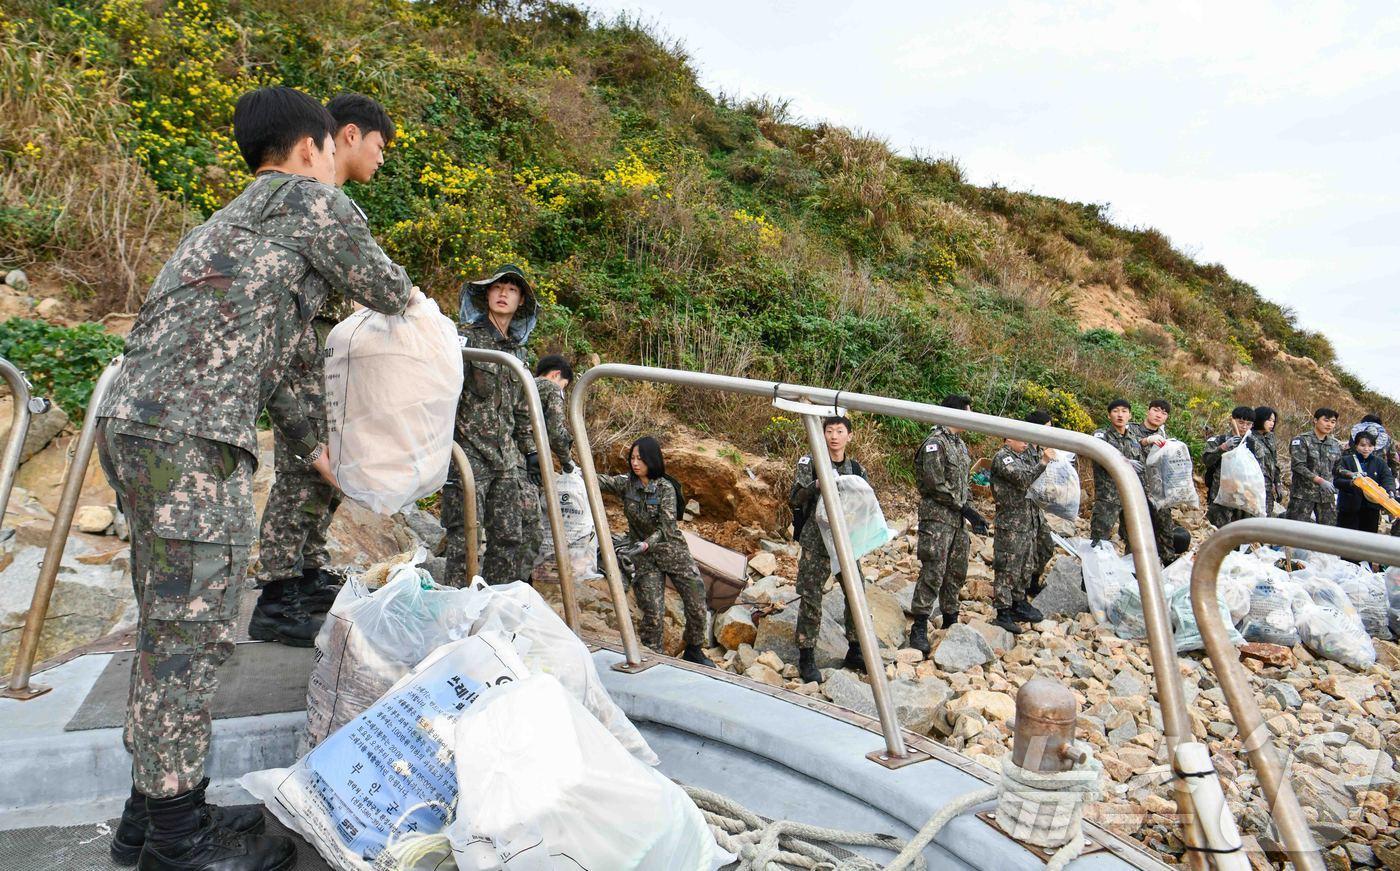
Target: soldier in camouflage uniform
942,465
1314,456
1217,446
1022,546
814,566
1265,419
1151,433
178,441
1108,503
553,374
293,560
656,548
493,428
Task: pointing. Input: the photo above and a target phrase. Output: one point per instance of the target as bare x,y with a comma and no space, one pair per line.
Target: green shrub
62,362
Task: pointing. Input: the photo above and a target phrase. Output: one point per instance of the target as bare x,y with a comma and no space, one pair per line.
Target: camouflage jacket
561,441
650,508
1267,452
229,309
493,419
1012,475
1311,456
1127,444
943,466
1214,452
803,495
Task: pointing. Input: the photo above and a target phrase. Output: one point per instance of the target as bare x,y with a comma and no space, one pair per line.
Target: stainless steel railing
547,483
1135,509
25,405
469,519
1234,681
20,687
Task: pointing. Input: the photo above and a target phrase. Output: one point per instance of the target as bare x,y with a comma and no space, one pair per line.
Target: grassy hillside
663,224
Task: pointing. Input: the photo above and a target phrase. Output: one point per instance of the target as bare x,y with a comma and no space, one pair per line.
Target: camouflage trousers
1219,515
298,515
1020,552
672,560
1163,525
812,571
943,548
508,512
190,505
1323,512
1105,515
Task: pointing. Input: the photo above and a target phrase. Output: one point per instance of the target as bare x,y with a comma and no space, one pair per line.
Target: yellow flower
32,150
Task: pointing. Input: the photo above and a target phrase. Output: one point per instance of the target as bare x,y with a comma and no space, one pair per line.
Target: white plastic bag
371,640
1057,488
1186,630
1169,480
578,531
1392,592
389,773
1241,482
392,384
1110,581
548,646
543,786
1274,603
1367,593
864,519
1330,626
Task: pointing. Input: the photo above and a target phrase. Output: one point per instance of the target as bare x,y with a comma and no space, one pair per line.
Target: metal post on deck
20,687
1293,827
854,586
464,471
25,405
547,482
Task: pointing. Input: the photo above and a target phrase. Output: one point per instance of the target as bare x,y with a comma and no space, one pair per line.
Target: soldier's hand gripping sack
1169,481
1241,482
392,383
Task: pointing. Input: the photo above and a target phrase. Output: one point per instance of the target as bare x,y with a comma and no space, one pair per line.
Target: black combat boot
918,635
1006,619
693,653
181,838
807,665
318,588
280,616
854,661
950,618
1024,610
131,831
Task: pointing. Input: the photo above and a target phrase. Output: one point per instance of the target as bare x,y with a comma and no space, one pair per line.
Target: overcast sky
1263,136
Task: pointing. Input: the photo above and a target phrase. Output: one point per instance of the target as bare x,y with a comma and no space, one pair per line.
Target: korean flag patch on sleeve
804,461
1006,461
930,447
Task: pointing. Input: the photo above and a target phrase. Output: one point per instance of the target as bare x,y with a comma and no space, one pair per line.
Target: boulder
94,519
763,563
43,428
771,590
962,648
764,674
425,526
1063,594
998,638
724,481
995,707
735,626
778,632
885,612
43,475
18,280
49,307
915,701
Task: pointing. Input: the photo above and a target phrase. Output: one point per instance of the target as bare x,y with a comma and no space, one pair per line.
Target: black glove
979,523
567,466
632,551
532,467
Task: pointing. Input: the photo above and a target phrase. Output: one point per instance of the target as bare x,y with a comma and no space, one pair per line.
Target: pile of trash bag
500,736
864,519
1057,488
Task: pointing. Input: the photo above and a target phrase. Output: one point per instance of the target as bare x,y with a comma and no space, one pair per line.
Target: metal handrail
547,483
25,405
1234,681
19,687
1171,696
469,519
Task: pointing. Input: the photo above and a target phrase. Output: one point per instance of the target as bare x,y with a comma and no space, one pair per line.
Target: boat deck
779,753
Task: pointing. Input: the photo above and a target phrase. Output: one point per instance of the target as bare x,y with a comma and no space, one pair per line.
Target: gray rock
18,280
962,648
772,590
1360,854
885,612
1287,697
43,428
1126,683
437,567
768,546
425,527
1123,733
999,639
914,700
778,632
1063,593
